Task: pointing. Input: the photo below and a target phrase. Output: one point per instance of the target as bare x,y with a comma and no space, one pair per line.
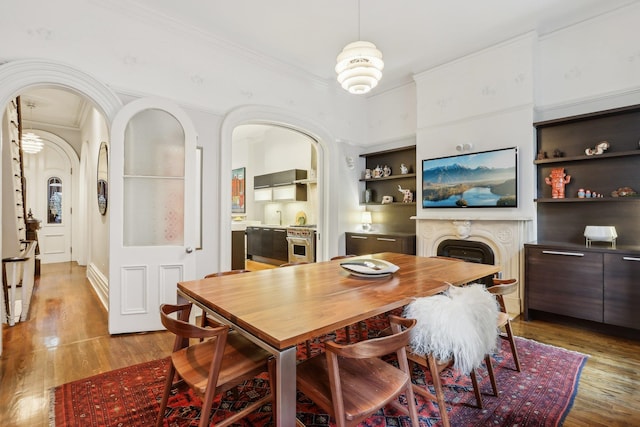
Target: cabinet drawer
363,244
565,282
622,290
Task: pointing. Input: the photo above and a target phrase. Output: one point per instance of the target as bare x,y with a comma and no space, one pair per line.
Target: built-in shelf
585,157
384,178
588,200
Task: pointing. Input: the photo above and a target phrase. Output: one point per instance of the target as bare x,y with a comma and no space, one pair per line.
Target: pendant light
359,65
31,143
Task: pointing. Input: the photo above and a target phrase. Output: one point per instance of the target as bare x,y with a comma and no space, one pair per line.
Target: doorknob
189,249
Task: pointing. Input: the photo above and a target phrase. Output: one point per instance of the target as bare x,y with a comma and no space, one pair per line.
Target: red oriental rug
540,395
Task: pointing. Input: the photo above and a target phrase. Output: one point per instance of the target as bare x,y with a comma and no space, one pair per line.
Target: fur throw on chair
458,325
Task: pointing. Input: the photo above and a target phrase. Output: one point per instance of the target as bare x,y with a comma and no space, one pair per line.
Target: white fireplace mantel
506,236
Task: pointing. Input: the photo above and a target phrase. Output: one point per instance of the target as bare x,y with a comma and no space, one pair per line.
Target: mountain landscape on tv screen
456,185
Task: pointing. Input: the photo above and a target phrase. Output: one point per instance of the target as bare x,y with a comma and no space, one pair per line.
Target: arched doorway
327,166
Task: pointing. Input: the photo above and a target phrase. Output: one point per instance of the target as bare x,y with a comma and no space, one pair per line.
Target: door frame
74,164
24,74
327,167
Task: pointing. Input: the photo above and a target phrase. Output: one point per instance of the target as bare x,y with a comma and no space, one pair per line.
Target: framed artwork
474,180
237,190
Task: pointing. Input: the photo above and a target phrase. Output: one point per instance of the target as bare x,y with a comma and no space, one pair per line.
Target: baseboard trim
99,283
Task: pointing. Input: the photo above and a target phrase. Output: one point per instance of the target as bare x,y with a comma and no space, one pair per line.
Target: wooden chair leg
512,343
492,377
165,396
347,331
432,365
307,344
476,388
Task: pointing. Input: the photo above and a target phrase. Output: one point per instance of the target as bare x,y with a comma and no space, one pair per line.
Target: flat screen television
487,179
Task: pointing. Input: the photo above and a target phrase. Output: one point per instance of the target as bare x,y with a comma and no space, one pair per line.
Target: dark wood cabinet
369,243
621,289
279,244
267,244
596,284
254,241
566,282
237,250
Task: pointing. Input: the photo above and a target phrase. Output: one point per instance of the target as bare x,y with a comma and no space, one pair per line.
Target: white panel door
50,197
151,211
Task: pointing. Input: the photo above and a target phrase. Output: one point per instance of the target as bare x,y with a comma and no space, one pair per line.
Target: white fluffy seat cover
458,325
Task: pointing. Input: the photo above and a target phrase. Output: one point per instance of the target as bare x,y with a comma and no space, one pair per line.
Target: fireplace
490,240
470,251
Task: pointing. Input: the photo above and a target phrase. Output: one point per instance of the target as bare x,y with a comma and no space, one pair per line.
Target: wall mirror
103,177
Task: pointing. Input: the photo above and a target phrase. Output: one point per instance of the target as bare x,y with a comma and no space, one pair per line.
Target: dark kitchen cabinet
268,244
237,250
279,246
254,241
370,243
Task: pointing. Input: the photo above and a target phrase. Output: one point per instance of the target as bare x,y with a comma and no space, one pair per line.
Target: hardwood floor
66,339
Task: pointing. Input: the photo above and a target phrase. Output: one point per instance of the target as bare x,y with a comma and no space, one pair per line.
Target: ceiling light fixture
31,143
359,65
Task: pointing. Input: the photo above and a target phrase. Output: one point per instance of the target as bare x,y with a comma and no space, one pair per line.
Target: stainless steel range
302,243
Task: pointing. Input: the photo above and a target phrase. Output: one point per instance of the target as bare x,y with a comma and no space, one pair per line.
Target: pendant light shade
359,67
31,143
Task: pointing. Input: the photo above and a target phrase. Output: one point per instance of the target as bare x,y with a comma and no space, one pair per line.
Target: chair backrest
503,287
226,273
458,325
377,347
183,330
371,349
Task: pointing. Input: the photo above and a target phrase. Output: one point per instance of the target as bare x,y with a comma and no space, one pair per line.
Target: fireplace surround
505,237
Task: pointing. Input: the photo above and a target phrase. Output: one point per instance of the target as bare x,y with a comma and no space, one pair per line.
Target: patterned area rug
540,395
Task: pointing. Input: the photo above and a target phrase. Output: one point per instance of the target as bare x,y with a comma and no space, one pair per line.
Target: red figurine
557,181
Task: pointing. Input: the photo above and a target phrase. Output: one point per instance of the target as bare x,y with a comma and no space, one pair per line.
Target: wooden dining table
282,307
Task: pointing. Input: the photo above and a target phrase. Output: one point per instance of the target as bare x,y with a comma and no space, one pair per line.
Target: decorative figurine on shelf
386,171
408,194
557,181
542,155
557,153
404,169
367,174
377,172
599,149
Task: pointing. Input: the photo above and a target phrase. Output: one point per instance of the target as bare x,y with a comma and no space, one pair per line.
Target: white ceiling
413,35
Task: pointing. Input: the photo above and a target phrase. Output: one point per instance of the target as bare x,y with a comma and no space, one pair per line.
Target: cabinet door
358,244
237,250
621,290
254,241
386,244
280,248
266,242
565,282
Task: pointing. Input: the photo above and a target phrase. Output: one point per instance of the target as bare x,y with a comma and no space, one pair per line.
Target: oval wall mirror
103,177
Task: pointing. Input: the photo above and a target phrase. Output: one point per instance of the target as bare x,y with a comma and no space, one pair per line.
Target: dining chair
352,381
500,288
454,329
220,363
